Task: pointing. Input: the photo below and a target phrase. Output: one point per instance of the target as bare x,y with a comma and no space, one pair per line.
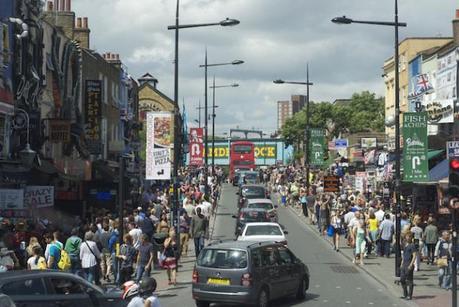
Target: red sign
196,146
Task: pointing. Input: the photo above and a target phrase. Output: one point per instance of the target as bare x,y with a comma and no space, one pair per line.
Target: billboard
6,56
93,116
415,162
159,141
196,146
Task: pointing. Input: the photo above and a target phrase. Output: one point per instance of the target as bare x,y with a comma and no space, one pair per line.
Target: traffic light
453,186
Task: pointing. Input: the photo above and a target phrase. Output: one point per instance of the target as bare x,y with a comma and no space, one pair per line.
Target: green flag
316,146
415,162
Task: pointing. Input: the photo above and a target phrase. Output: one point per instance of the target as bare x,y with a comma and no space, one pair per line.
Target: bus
242,157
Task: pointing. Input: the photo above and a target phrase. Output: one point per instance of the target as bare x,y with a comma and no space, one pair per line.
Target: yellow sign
261,152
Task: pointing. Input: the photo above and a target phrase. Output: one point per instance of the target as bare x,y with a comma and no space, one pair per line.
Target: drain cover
344,269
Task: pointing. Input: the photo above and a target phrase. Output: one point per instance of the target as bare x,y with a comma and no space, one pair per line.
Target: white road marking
370,303
358,288
338,287
325,301
348,302
317,286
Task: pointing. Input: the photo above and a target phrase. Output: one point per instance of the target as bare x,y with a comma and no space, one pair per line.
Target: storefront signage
317,146
368,142
440,111
196,146
6,53
93,115
341,143
39,196
415,163
452,149
159,141
331,184
59,131
262,151
11,199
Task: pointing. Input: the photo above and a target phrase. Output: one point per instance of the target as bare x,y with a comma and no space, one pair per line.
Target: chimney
68,5
81,32
456,29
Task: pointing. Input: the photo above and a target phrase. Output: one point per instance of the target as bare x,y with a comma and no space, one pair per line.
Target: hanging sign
93,113
11,199
196,146
159,144
415,162
59,131
39,196
317,146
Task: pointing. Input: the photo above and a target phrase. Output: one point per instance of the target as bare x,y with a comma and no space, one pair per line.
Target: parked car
261,232
245,272
248,177
251,191
54,288
250,215
262,203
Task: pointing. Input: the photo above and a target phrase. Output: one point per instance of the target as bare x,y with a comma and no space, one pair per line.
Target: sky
275,39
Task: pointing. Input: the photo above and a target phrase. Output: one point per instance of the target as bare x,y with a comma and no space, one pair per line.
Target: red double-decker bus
242,156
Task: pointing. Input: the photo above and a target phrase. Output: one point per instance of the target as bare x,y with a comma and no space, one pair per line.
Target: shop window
3,137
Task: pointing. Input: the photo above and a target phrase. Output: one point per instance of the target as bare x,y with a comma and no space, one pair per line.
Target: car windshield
263,230
266,206
256,216
253,191
222,258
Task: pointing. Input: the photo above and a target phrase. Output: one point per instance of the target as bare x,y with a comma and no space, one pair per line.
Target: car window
223,258
31,286
263,230
285,256
256,258
269,256
256,216
67,286
267,206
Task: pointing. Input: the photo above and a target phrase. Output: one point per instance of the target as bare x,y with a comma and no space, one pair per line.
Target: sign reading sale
196,146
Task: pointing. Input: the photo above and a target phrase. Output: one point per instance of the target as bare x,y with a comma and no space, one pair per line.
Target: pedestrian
136,234
443,253
33,241
430,239
90,257
145,255
199,230
386,232
55,247
418,234
102,239
72,247
409,256
112,242
337,223
185,221
163,225
360,243
36,261
126,256
170,261
373,224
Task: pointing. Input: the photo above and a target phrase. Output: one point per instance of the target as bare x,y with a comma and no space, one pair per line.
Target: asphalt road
334,281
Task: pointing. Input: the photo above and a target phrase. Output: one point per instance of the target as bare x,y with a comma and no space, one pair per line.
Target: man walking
407,267
72,247
199,230
386,231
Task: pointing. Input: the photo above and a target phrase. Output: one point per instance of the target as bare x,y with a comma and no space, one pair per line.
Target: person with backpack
72,247
89,256
55,248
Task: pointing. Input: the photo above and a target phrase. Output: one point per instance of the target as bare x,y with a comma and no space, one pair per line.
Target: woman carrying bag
90,257
170,260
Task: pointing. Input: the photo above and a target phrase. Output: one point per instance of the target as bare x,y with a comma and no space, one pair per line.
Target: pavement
426,291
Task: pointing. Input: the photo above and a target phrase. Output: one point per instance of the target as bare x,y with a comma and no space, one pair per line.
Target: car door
70,292
290,274
270,266
26,292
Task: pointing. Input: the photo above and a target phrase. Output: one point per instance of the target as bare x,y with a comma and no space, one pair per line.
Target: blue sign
341,143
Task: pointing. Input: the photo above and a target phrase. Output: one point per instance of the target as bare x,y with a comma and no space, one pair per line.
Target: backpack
64,263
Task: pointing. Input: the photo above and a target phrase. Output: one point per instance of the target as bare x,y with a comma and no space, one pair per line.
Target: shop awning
434,153
439,171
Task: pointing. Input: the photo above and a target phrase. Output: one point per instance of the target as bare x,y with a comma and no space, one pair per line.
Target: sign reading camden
415,163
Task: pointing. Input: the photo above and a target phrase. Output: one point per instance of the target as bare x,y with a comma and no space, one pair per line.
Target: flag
421,85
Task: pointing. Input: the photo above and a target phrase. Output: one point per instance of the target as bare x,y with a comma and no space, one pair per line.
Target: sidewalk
426,291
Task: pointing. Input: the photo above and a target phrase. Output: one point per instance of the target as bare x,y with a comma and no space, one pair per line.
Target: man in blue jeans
199,229
386,232
144,257
72,247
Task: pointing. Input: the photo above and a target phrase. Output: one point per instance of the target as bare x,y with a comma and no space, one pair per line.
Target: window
66,286
269,256
243,149
448,77
223,258
256,258
263,230
285,255
266,206
33,286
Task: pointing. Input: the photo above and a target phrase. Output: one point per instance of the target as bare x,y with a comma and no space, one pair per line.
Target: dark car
250,215
250,191
245,272
53,288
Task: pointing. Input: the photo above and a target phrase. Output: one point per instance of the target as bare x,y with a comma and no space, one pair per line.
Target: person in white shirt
380,213
136,234
143,294
205,206
89,254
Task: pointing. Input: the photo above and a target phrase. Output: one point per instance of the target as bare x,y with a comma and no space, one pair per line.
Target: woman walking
337,224
170,262
127,256
360,244
89,256
36,261
373,230
443,254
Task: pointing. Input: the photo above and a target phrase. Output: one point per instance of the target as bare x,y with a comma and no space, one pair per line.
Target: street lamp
176,27
395,24
307,83
27,155
213,87
206,136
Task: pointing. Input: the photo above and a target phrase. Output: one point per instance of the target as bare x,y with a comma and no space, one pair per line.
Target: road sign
341,143
331,184
452,149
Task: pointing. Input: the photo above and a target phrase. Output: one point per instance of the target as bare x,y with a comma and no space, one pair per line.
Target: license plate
218,281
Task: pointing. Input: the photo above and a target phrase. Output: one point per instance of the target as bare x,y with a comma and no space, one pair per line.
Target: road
334,281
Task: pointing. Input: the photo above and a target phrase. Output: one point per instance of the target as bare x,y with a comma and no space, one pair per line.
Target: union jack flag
421,85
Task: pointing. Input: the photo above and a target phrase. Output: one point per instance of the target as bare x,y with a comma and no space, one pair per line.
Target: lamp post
213,87
27,155
176,27
396,24
307,83
206,136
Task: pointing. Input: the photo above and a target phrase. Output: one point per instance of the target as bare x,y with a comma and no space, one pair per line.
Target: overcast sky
276,38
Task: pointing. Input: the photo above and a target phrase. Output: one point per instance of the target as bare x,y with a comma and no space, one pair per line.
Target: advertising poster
317,146
440,111
6,56
196,146
11,199
415,162
159,143
368,143
39,196
93,112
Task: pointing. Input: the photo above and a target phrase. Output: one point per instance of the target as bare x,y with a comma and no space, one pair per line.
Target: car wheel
202,304
302,288
263,298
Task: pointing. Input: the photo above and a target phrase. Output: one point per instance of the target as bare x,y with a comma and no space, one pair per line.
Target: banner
11,199
316,146
368,142
440,111
415,162
39,196
159,143
93,113
196,146
59,131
